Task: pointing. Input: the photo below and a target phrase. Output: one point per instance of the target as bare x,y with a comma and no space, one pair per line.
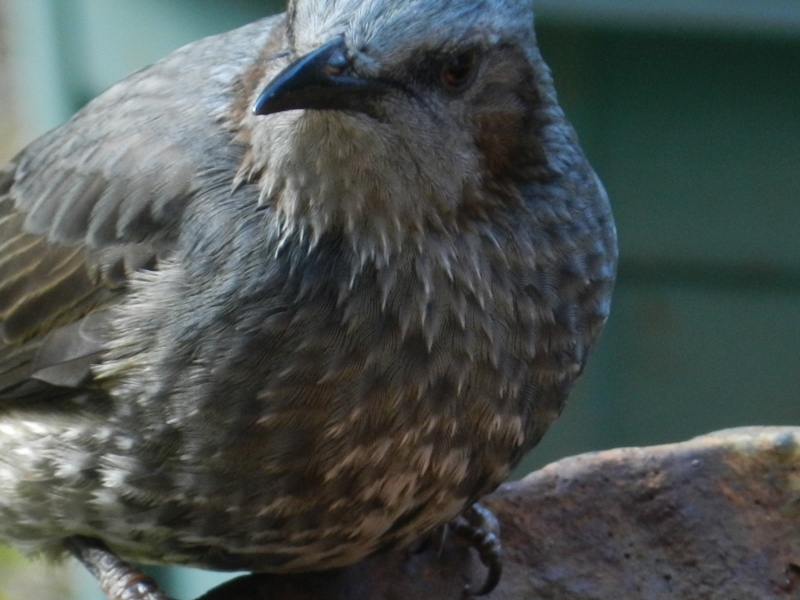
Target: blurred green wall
697,138
692,120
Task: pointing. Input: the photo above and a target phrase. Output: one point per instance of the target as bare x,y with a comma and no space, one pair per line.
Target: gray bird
296,293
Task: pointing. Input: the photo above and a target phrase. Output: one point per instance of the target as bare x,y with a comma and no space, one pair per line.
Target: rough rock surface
717,517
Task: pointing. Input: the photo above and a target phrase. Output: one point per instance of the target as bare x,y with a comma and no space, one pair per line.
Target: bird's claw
478,527
117,579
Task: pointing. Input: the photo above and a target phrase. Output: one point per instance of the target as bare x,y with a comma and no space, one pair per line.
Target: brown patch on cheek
247,82
504,111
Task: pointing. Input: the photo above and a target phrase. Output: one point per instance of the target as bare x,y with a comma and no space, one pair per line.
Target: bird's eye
458,70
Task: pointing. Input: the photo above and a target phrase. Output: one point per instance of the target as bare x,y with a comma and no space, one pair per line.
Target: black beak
321,80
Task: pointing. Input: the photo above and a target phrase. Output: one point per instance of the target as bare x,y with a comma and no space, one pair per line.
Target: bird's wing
89,203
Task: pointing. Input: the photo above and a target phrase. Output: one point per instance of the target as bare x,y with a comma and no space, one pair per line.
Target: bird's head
395,117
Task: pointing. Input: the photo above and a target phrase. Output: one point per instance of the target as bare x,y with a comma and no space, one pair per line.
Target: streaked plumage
282,342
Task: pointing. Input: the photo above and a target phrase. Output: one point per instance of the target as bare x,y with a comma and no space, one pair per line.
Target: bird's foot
478,528
117,579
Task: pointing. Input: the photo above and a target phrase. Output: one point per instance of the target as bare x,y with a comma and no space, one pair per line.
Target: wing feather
102,196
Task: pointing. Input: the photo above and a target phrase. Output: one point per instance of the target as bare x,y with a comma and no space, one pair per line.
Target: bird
295,294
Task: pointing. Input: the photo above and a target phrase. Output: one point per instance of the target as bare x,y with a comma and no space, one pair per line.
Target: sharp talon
117,579
478,527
